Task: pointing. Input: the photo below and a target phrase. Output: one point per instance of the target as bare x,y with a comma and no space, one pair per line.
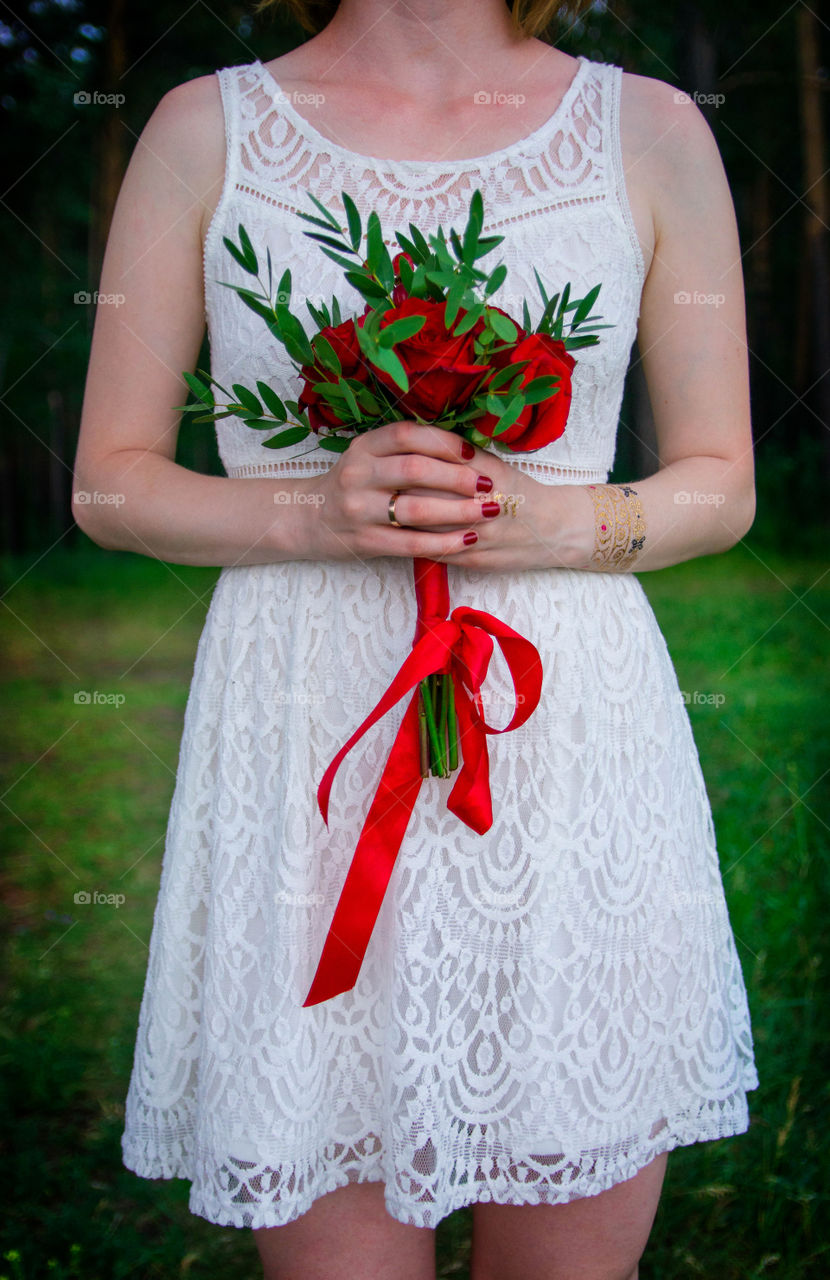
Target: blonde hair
531,17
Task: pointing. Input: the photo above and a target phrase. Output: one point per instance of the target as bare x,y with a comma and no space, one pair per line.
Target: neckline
308,130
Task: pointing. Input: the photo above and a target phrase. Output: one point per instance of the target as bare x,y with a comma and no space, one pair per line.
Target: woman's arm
692,335
135,496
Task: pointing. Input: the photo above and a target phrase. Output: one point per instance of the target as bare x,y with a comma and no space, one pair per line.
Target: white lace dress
542,1009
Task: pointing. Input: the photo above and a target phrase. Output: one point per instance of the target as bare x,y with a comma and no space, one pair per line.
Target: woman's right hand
442,481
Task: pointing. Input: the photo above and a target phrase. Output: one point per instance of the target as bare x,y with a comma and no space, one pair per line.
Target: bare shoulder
186,136
673,168
666,135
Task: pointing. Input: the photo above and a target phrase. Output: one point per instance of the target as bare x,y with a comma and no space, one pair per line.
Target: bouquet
429,346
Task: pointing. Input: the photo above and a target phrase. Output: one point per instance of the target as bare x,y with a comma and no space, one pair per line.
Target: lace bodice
558,197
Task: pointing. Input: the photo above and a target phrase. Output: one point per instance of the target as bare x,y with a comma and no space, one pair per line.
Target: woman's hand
442,518
445,499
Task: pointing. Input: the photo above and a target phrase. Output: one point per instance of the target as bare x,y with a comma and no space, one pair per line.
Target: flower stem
435,748
452,726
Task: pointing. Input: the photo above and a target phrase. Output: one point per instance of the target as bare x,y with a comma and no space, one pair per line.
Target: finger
416,543
407,436
422,512
416,471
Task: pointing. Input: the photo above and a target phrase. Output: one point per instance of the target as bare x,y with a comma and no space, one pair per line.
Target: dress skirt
542,1009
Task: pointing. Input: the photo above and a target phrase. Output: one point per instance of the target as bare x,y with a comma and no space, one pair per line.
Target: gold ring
390,510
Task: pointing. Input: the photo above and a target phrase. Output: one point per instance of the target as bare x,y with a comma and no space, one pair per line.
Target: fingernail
490,509
470,538
483,484
467,450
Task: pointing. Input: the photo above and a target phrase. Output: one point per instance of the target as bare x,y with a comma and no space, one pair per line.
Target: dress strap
617,189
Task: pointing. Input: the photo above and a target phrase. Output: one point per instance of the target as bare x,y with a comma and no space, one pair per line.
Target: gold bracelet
620,525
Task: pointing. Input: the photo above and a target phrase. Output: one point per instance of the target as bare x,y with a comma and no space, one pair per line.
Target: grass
87,788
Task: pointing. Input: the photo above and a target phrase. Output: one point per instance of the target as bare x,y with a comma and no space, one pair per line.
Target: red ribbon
461,645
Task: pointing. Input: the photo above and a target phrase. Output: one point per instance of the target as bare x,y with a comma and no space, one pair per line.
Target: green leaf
541,287
369,288
335,312
457,245
407,245
346,263
199,389
355,230
271,400
526,324
327,354
496,280
475,221
420,243
330,219
454,299
540,389
502,326
400,330
486,244
339,245
248,399
285,438
284,289
334,444
389,363
244,256
247,247
509,416
583,310
293,336
251,300
469,320
377,254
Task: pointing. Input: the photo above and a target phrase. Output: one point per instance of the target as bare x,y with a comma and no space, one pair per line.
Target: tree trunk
112,142
816,254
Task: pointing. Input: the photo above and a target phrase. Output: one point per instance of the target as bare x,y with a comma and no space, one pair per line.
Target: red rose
538,424
440,367
343,339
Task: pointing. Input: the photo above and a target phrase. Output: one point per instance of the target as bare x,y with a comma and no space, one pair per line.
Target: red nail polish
467,450
490,509
470,538
483,484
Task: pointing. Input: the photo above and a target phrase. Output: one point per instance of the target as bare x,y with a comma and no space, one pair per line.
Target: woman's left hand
552,527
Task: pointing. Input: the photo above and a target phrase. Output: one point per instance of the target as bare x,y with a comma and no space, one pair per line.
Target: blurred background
99,646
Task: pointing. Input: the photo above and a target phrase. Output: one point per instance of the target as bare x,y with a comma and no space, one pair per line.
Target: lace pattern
542,1009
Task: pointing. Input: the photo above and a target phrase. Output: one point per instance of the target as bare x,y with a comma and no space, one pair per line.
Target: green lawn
85,797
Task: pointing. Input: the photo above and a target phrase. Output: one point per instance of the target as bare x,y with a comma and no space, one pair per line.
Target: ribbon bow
461,645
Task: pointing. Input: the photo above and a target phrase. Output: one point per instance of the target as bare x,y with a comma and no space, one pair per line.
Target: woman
544,1011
